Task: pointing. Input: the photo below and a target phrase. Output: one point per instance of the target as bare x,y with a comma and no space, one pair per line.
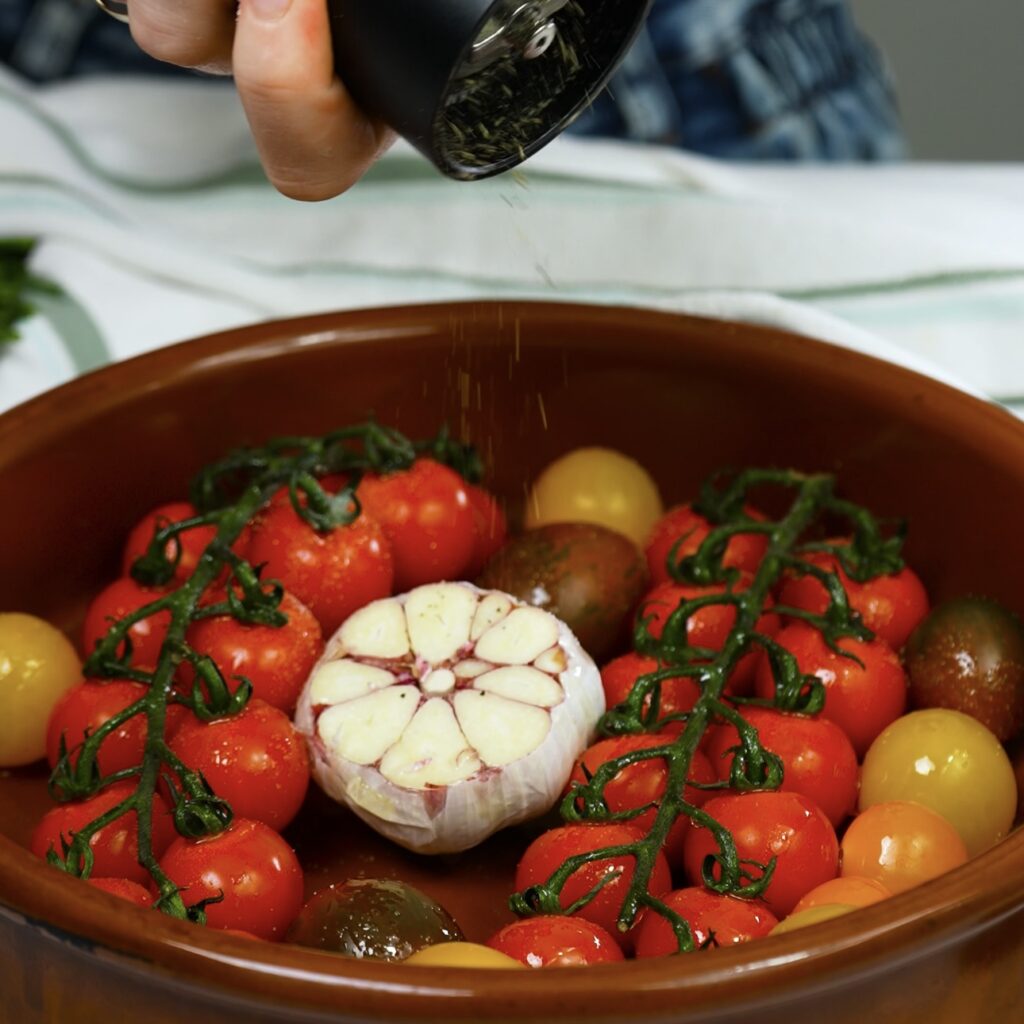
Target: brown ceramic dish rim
896,931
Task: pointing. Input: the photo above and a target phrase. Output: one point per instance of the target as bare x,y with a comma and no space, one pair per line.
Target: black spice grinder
479,85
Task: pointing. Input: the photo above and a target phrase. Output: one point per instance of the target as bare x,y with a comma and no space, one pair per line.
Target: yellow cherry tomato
850,891
949,762
596,485
461,954
900,844
813,915
37,665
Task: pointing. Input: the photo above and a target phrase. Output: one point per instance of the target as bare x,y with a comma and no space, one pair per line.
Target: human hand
313,140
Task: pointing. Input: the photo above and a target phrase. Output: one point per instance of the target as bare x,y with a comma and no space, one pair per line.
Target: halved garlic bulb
445,714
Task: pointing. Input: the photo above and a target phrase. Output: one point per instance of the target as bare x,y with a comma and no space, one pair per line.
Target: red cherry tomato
553,941
115,847
121,598
550,849
786,826
644,783
84,708
678,694
714,921
125,889
863,697
490,529
818,759
744,551
331,573
426,514
710,626
276,660
256,760
193,542
252,866
890,606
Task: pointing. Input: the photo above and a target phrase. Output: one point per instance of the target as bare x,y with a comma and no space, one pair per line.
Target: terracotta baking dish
79,465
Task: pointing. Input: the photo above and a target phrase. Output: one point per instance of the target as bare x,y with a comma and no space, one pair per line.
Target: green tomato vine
227,495
870,553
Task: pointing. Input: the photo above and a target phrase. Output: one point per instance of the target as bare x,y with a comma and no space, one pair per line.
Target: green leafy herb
17,283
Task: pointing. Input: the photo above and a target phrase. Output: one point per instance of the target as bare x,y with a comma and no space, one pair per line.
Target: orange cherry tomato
847,890
901,844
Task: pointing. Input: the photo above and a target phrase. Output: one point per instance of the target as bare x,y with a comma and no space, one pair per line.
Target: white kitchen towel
154,218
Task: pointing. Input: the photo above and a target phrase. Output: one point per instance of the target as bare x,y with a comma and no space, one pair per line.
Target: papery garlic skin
443,715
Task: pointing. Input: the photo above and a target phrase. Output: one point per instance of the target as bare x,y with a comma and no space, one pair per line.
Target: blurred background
959,68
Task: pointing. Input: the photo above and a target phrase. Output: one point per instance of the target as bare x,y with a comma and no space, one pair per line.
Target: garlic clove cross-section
445,714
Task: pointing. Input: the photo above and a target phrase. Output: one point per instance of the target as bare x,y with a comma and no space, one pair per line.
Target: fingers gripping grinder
479,85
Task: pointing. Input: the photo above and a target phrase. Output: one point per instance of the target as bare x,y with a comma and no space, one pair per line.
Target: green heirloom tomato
968,655
588,576
372,919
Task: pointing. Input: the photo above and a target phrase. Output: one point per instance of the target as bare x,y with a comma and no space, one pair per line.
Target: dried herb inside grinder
479,85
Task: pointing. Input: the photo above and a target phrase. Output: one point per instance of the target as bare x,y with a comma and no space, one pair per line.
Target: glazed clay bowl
80,465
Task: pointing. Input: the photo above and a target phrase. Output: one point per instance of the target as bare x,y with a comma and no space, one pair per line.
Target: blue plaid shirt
742,79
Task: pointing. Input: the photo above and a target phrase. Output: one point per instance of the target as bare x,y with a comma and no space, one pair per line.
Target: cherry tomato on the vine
818,758
554,941
115,847
710,626
428,519
124,888
193,542
644,783
121,598
332,573
254,869
677,694
890,606
682,524
714,921
84,708
865,689
550,849
276,659
786,826
256,760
